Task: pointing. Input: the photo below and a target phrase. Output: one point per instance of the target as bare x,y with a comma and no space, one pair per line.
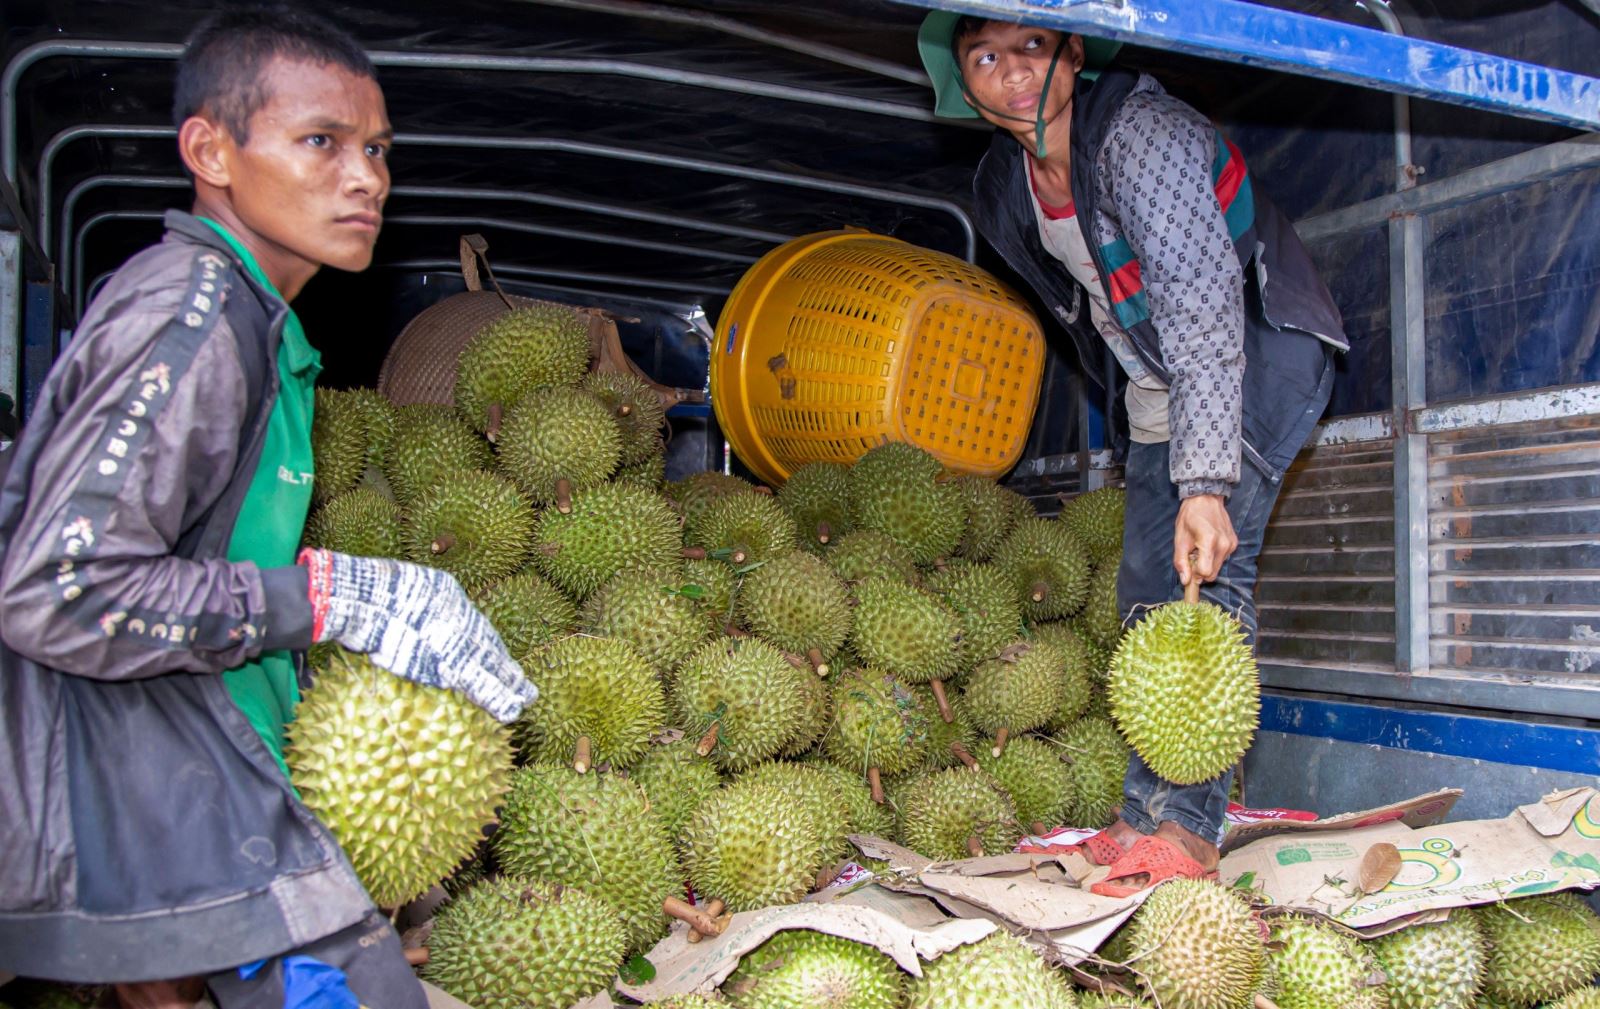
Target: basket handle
475,248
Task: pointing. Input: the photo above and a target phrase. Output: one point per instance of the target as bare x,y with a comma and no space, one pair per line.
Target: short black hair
967,26
223,61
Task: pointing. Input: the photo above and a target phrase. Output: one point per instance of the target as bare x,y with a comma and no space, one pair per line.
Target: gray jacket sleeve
148,407
1158,162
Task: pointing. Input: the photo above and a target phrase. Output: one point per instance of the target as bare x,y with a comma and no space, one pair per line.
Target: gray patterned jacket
1175,223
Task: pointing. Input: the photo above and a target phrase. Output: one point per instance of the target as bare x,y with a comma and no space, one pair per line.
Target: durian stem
1000,740
941,565
796,661
708,742
817,661
1191,591
875,779
564,495
1262,1002
624,409
714,909
825,875
1037,828
974,846
1039,591
735,632
583,755
697,919
416,956
824,533
739,556
442,544
943,701
694,553
496,415
962,753
762,488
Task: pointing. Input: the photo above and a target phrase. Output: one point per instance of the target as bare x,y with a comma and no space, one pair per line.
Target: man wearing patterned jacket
1136,223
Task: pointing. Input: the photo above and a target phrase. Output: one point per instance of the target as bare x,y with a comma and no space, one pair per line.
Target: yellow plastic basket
836,342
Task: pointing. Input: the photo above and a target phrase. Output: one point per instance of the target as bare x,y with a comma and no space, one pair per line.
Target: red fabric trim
319,571
1064,212
1232,177
1126,282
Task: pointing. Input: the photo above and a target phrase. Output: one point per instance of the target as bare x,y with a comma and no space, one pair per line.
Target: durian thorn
694,553
796,661
941,565
714,909
762,488
739,556
875,779
962,753
1000,740
696,918
1037,827
492,430
442,544
708,742
624,409
582,755
974,846
817,661
824,533
939,698
564,496
1039,592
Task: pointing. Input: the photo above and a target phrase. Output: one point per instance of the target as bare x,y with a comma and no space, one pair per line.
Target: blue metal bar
1259,36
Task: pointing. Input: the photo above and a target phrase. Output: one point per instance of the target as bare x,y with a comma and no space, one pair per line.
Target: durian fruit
676,780
1101,619
429,442
636,409
799,968
1538,948
817,496
1111,1000
992,512
1037,779
524,944
867,553
528,611
1184,691
475,525
879,728
477,868
1321,968
555,442
648,609
599,702
743,529
1099,759
527,348
997,972
339,443
796,603
825,805
865,816
710,584
957,813
896,488
695,492
360,522
689,1002
611,528
405,776
741,699
648,472
1198,946
906,631
983,598
1095,519
597,832
1082,685
1021,690
1437,966
1048,567
949,743
1583,998
816,715
752,846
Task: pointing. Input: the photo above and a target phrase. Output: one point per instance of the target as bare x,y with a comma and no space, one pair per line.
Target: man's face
1005,65
312,179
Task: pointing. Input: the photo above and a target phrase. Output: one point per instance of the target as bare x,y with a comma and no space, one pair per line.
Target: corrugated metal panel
1326,588
1514,546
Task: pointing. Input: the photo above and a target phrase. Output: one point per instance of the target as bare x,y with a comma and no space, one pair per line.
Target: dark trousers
368,953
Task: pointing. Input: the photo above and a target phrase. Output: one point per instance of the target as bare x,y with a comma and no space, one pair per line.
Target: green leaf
1246,881
637,970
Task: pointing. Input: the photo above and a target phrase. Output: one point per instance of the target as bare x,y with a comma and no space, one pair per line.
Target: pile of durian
732,680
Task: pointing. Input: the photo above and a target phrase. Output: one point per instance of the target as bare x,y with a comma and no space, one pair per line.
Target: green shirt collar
296,351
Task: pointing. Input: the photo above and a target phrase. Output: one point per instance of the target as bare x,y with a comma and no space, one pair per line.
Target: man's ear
206,148
1075,58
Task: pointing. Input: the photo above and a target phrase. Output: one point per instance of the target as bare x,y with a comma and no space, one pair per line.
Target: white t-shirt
1146,396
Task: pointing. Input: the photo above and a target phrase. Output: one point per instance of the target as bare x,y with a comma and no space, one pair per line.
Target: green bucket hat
933,42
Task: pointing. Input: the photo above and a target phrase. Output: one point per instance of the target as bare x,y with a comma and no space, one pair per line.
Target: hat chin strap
1038,113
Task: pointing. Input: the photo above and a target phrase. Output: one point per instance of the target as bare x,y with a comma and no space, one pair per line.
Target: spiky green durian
545,344
475,525
339,443
997,972
817,496
1048,567
648,472
942,735
1095,519
752,846
405,776
524,944
556,435
1436,966
689,1002
379,415
992,512
1184,691
957,813
636,409
795,602
597,832
866,553
1037,779
1583,998
983,597
1111,1000
798,968
1101,617
711,584
743,529
748,691
896,489
825,805
877,723
816,715
648,609
599,689
1197,946
905,631
1321,968
1021,690
478,867
360,522
1538,948
611,528
676,779
1082,684
865,816
528,611
695,492
429,442
1099,759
